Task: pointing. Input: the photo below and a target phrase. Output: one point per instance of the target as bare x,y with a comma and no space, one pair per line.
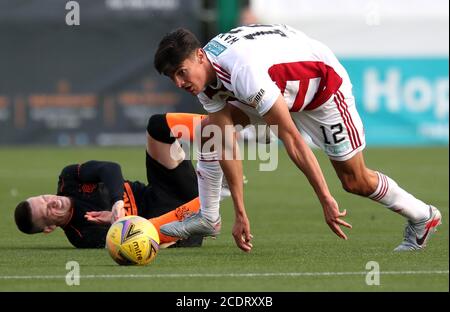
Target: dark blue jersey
92,186
97,185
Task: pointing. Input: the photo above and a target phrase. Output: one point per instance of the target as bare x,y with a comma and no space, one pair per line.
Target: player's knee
349,187
159,130
356,186
206,130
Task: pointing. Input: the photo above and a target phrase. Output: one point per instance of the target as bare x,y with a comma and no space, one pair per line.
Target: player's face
192,74
49,211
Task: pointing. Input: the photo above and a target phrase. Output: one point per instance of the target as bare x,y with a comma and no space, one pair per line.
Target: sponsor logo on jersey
337,149
256,99
215,48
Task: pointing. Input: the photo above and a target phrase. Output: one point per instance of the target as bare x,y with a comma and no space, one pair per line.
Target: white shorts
335,126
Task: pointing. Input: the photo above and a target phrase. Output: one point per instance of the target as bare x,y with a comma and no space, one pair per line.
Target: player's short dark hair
23,218
174,48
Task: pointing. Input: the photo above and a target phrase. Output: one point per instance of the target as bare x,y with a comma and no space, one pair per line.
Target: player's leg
163,130
187,127
178,214
357,179
337,129
167,168
209,176
172,178
184,125
209,172
422,219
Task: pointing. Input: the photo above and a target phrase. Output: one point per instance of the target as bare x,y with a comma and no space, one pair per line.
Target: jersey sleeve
108,173
210,105
256,87
67,176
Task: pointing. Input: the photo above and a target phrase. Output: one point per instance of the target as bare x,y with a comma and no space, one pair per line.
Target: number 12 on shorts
335,131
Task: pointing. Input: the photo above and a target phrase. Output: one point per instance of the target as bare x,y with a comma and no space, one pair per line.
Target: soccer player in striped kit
276,75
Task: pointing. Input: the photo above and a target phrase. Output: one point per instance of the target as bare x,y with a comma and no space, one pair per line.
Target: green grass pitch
294,250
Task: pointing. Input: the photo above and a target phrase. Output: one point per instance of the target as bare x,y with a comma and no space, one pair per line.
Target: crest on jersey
337,149
215,48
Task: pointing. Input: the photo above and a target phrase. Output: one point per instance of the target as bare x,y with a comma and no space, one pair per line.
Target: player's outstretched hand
98,217
118,211
242,235
333,218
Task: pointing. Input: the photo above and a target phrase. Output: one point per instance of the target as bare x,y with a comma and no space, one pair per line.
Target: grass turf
294,250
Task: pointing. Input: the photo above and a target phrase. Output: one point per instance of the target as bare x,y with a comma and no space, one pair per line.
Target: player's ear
49,228
200,55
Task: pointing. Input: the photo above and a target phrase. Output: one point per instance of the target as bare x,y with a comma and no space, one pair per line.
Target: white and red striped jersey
255,63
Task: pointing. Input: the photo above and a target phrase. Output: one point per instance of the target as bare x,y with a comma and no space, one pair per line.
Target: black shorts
169,188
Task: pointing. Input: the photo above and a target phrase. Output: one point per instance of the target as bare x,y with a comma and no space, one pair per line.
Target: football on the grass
132,240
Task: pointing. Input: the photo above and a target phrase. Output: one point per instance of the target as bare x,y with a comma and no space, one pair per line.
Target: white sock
398,200
209,177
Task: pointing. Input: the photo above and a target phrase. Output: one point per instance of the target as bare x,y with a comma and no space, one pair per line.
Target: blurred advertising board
402,101
92,83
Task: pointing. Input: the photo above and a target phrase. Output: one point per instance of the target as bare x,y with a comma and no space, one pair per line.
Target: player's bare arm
232,169
303,157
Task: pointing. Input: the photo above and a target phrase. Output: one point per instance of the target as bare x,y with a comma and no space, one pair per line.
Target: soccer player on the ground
92,195
277,75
